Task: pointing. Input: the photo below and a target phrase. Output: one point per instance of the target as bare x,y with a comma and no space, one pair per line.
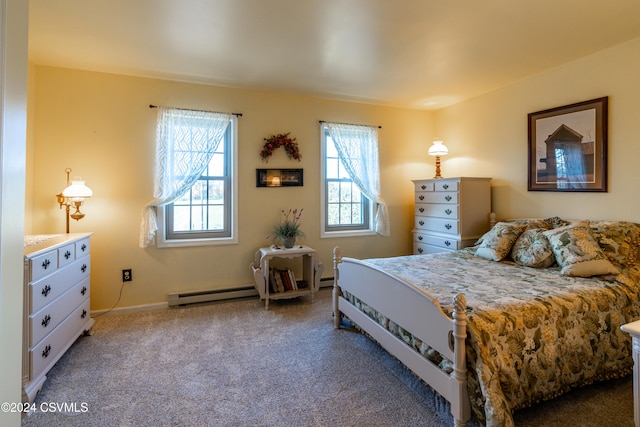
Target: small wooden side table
311,272
633,329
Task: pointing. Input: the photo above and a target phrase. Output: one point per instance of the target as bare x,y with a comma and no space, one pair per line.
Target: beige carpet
236,364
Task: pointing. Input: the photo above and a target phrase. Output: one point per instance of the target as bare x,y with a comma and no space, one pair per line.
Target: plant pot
288,242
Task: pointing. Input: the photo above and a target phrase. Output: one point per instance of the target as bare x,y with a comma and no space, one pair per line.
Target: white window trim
161,238
324,234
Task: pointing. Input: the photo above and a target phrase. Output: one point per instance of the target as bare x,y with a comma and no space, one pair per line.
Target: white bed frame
417,312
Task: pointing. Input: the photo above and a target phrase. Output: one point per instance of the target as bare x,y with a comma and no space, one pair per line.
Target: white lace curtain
185,143
358,149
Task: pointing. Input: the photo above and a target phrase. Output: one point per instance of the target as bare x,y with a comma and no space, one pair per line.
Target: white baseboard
324,283
131,309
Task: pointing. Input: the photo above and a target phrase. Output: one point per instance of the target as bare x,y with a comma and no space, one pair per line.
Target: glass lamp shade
438,149
77,190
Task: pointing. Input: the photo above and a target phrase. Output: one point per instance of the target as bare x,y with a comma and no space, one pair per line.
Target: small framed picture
279,178
568,147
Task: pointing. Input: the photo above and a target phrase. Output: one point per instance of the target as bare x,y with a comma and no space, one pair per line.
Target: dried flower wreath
281,140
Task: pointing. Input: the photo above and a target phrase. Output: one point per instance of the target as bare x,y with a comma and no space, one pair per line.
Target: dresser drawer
43,265
440,225
437,197
51,287
423,248
47,352
435,244
66,255
438,210
437,240
447,185
46,320
82,247
424,186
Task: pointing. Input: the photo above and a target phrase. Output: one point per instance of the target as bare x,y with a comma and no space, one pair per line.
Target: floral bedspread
533,333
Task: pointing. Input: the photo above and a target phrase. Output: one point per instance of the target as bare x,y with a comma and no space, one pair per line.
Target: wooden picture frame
279,177
568,147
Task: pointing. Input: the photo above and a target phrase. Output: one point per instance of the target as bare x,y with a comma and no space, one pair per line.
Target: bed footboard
415,311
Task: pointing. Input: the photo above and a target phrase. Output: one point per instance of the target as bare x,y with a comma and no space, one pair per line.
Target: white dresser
450,213
633,329
56,302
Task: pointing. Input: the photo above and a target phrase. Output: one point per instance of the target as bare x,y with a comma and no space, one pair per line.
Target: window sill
348,233
185,243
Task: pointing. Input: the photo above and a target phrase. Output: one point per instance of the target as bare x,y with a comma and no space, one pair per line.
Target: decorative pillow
532,249
577,252
620,241
496,243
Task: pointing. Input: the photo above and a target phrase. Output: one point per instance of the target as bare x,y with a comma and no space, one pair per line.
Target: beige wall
100,125
488,136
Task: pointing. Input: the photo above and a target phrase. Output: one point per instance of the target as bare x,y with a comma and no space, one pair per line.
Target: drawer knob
421,210
67,255
46,320
446,186
83,247
46,290
448,211
420,237
421,197
45,263
46,351
447,226
83,290
424,187
421,222
420,250
448,243
447,198
84,314
83,268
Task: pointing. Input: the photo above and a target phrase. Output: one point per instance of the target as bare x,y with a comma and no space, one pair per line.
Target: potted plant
288,230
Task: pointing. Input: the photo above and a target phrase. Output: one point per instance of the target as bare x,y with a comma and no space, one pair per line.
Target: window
204,210
346,210
196,180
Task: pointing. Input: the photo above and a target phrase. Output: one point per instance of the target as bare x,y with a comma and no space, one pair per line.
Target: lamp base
438,175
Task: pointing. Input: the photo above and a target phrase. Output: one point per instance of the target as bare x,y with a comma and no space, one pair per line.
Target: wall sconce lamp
74,194
438,149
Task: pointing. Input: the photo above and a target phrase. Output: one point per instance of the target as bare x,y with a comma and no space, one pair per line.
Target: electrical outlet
126,275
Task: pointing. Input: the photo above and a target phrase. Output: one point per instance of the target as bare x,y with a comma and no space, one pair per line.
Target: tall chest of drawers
56,302
450,213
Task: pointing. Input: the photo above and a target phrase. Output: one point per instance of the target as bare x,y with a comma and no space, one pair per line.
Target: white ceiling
422,54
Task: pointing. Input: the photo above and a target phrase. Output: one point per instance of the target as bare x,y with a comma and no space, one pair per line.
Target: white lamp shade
77,190
438,149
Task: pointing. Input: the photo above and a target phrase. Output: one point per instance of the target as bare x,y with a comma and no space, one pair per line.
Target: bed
530,312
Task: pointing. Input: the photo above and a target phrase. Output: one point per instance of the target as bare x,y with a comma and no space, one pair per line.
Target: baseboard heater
184,298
